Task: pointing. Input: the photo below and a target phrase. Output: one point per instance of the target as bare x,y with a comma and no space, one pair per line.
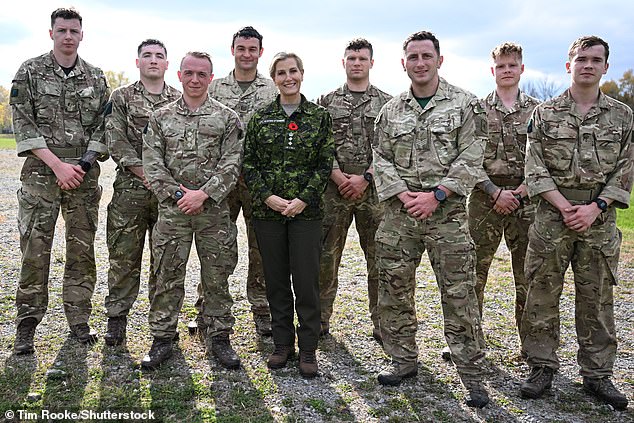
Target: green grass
7,142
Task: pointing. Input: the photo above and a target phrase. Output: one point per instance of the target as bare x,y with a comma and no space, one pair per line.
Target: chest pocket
558,147
210,134
442,135
48,102
608,148
88,102
340,124
403,138
493,138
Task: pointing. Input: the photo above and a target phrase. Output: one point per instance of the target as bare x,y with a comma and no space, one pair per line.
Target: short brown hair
507,49
199,55
585,42
422,36
65,13
359,43
282,55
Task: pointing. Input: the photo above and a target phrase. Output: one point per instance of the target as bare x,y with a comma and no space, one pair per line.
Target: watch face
368,176
178,195
439,194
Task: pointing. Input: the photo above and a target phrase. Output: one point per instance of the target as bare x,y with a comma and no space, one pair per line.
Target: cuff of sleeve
620,197
25,146
454,186
129,162
164,194
98,147
215,190
265,195
309,198
391,190
536,188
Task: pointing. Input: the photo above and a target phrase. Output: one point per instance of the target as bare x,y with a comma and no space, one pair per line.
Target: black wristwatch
368,177
439,195
601,203
177,195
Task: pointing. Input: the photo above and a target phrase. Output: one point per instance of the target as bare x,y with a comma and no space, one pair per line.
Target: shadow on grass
236,397
421,398
566,396
170,391
120,387
67,378
15,382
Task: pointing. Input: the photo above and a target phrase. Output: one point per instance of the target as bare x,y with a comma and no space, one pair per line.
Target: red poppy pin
292,126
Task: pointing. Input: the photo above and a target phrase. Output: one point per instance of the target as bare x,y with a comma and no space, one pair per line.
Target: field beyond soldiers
65,376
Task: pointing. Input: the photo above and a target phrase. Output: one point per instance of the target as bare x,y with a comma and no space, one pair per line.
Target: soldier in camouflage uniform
499,204
427,148
134,209
192,153
579,168
245,90
58,102
289,151
350,192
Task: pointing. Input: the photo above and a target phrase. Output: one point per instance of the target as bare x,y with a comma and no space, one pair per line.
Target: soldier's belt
353,169
503,181
580,194
68,152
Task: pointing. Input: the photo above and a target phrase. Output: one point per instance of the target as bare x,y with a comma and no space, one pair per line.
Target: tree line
543,89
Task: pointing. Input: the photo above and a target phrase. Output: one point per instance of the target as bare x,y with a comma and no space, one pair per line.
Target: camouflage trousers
486,228
39,203
338,215
238,199
132,213
400,243
594,257
217,249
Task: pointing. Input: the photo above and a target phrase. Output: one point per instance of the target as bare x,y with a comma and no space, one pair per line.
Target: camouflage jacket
418,149
353,125
227,91
57,111
288,156
200,149
130,112
567,150
505,146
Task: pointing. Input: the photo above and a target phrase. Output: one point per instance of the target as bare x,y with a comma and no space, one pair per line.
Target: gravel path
349,359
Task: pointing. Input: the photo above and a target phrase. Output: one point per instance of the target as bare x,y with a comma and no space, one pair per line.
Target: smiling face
587,66
246,53
421,62
152,62
66,35
288,79
507,70
195,75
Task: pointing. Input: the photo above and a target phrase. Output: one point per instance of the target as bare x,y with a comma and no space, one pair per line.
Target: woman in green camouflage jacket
289,151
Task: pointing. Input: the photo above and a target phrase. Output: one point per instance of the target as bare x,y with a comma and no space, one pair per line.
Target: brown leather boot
280,356
307,363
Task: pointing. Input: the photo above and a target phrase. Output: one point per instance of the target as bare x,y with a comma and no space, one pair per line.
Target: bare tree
543,88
